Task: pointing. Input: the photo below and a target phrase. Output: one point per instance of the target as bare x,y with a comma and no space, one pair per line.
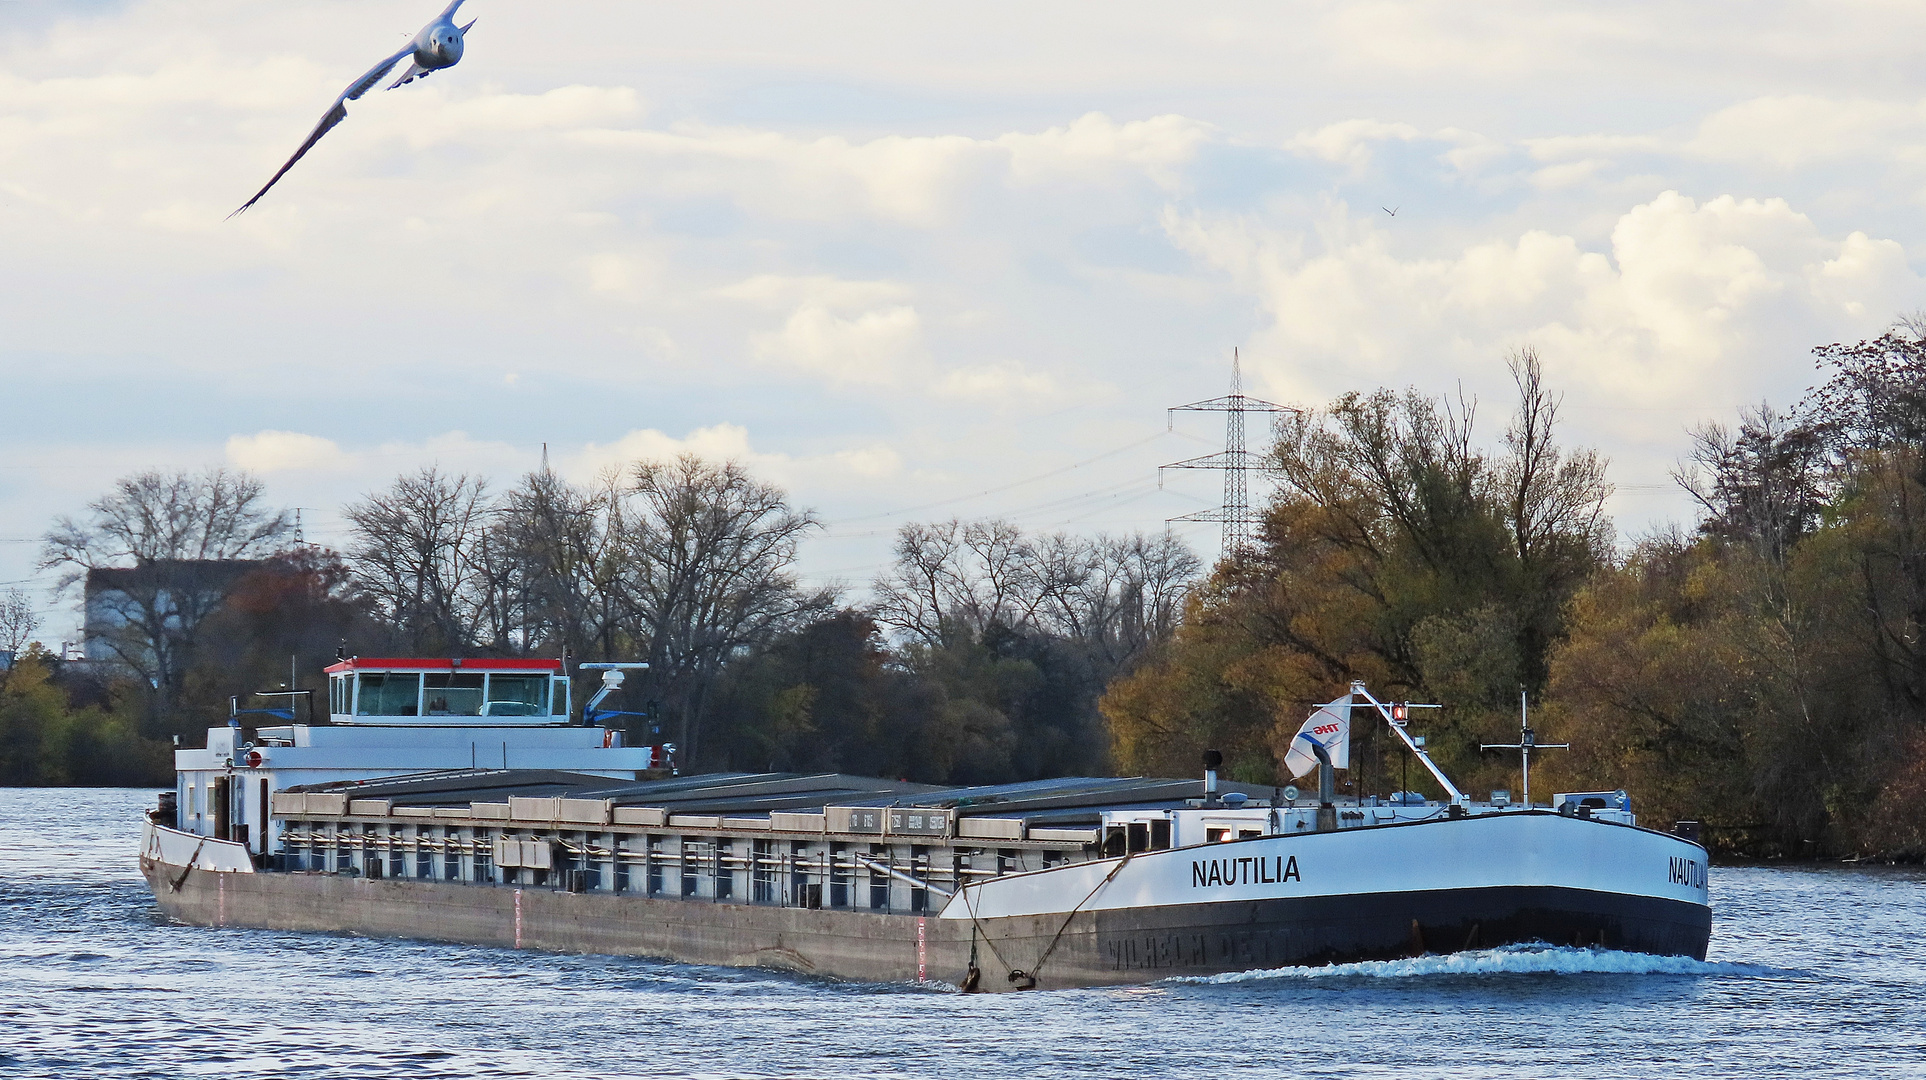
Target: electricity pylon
1235,461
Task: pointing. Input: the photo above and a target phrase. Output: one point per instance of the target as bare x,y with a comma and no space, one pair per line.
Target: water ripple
1812,975
1513,960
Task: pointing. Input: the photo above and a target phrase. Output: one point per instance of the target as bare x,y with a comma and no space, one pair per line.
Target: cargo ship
468,801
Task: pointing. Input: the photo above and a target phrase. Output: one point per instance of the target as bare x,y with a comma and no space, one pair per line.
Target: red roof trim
386,663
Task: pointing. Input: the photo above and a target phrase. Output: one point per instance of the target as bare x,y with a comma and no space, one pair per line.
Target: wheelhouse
448,693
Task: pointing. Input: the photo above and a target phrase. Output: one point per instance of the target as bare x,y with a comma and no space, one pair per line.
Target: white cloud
1790,131
269,452
1686,303
730,442
876,347
786,291
276,453
1001,384
1557,148
1094,147
921,243
1350,142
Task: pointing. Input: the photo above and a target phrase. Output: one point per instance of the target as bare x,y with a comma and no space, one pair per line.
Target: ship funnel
1212,759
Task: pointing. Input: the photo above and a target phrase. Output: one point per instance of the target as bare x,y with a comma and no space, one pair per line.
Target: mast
1416,747
1527,742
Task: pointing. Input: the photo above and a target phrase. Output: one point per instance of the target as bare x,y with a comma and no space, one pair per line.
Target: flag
1330,727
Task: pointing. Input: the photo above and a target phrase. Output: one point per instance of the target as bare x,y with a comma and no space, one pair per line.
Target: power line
1235,462
1005,487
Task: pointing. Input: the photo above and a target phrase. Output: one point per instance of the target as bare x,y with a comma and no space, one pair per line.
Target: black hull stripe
1209,939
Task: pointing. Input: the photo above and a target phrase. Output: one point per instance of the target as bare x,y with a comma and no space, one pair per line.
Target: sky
917,261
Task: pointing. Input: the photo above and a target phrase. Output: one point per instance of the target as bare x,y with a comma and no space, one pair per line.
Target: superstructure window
388,693
517,695
453,693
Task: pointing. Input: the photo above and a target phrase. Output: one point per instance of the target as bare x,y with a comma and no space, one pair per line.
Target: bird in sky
439,45
1392,210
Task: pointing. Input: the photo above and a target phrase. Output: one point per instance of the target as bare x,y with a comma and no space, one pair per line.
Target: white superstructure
395,717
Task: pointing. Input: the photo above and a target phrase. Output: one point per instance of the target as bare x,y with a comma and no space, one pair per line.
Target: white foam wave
1508,960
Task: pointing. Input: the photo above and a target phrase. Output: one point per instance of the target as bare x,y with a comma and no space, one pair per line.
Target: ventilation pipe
1212,759
1326,788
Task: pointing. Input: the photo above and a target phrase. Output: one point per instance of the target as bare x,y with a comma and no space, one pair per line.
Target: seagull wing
415,71
449,12
335,115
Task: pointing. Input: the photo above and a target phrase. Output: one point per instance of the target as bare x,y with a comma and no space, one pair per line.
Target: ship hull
1105,946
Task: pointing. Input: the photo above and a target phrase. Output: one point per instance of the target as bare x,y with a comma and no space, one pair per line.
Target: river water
1813,972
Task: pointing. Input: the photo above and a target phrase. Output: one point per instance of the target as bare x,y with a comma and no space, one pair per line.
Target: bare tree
18,621
920,593
953,581
1149,577
162,551
1764,485
1550,495
707,555
1115,595
1073,584
1552,500
420,551
561,542
1001,576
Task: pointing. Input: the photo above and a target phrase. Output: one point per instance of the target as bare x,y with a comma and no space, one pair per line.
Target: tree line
1761,669
977,655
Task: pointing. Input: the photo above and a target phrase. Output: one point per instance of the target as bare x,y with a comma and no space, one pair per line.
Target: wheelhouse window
451,693
517,695
387,693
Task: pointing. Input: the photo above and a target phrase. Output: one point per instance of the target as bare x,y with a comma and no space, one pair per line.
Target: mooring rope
1019,975
175,885
1107,879
976,928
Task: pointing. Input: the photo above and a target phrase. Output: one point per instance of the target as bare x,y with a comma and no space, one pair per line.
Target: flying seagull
438,46
1392,210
